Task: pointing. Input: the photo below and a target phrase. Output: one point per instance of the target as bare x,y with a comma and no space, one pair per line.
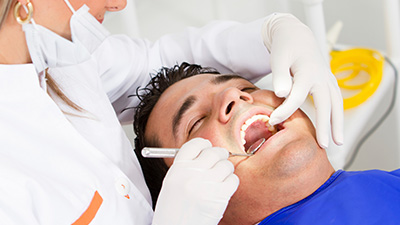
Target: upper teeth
263,118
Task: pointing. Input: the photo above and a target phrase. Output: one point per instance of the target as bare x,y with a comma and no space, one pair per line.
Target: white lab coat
54,165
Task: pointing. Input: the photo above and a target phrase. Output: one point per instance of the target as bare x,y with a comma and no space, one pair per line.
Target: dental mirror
252,149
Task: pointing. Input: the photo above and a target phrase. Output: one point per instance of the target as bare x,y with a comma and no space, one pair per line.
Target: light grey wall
363,26
363,19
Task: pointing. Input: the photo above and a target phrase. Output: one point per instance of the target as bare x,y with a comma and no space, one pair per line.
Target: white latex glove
197,187
294,51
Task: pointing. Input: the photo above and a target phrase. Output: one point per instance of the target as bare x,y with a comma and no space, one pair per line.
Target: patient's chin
294,158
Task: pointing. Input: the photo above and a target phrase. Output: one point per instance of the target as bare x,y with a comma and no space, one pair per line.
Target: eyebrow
225,78
189,101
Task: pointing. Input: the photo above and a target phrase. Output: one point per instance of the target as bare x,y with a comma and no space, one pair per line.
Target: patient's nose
228,100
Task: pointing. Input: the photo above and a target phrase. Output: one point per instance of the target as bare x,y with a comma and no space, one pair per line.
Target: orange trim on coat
91,211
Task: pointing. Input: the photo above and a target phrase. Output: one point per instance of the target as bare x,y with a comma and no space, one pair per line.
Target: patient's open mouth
254,129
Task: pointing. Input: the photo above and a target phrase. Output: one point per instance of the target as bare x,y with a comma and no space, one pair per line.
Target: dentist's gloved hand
197,187
294,51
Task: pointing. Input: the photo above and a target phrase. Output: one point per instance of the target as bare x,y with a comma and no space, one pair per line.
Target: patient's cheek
267,97
208,134
236,160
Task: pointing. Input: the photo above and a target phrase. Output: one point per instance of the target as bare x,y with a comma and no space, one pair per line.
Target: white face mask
50,50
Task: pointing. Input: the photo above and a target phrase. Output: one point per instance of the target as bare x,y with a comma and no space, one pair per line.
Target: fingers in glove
290,105
222,191
220,171
337,115
281,77
192,149
227,188
323,114
230,184
218,197
209,157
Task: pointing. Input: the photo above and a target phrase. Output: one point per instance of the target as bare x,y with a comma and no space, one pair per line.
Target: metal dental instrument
252,149
152,152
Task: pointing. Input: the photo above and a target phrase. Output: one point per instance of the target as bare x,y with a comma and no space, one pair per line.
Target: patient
289,180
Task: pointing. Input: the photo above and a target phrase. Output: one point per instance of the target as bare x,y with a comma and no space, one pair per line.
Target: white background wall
363,22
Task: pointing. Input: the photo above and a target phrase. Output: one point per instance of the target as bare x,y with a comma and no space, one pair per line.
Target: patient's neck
252,203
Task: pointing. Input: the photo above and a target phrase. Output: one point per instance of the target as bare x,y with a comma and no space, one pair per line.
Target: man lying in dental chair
289,180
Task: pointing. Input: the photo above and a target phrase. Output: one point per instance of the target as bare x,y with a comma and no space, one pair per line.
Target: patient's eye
195,125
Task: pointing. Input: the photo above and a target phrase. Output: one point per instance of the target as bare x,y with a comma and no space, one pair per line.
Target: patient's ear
169,161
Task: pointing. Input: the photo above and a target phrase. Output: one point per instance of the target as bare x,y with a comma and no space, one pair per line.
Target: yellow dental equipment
358,72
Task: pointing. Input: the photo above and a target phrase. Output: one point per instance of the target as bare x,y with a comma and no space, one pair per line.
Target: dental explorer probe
153,152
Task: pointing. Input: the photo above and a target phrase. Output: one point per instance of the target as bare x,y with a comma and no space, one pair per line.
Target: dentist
64,87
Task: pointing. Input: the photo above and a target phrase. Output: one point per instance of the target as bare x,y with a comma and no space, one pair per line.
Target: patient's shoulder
371,176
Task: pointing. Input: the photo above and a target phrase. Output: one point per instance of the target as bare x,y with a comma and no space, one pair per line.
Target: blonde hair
52,84
5,6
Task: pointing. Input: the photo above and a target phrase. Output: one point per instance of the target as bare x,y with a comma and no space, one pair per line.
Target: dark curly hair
154,170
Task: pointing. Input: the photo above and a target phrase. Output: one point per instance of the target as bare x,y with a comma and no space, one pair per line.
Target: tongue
256,131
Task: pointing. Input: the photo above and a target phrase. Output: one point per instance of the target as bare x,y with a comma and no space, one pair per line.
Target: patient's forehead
208,79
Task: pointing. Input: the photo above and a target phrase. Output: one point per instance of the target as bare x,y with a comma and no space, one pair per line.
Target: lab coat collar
22,77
